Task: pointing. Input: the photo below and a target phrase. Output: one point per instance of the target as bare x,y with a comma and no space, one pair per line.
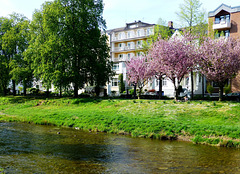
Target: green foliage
121,84
160,30
227,89
205,123
131,91
210,88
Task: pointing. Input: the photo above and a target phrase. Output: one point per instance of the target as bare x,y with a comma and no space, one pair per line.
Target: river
27,148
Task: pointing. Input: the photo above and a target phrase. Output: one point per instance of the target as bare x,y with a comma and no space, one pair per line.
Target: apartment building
225,21
125,43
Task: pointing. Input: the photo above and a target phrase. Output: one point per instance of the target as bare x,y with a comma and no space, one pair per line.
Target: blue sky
119,12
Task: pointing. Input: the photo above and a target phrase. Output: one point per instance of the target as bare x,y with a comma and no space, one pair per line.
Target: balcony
116,39
223,24
121,49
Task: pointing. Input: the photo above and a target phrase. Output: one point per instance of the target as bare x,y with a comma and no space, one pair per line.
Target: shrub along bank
203,122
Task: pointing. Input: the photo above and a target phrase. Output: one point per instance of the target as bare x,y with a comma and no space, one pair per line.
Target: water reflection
26,148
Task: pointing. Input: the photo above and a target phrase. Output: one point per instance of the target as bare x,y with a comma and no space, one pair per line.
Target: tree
138,72
174,58
83,22
219,60
121,84
194,21
161,30
69,44
15,42
46,51
5,25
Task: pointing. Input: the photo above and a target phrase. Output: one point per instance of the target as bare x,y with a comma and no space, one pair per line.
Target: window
138,43
120,36
129,55
227,33
129,45
164,82
187,81
138,33
148,31
116,67
115,82
120,56
129,34
120,45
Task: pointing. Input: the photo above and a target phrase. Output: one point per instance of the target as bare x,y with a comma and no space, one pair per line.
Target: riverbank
203,122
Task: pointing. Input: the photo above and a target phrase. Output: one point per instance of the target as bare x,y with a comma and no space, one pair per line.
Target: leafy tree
5,25
15,42
161,30
219,60
81,33
121,83
174,57
67,45
194,20
139,72
47,52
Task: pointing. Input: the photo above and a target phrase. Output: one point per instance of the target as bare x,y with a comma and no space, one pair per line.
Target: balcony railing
223,24
119,49
129,38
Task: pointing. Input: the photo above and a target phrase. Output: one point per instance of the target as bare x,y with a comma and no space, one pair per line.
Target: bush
131,91
227,89
210,89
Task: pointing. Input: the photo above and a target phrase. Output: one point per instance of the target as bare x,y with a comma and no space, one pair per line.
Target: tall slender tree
15,42
161,30
193,19
5,25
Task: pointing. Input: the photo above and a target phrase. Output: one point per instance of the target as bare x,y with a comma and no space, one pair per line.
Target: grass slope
205,122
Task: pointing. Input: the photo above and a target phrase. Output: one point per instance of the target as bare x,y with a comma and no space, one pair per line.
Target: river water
27,148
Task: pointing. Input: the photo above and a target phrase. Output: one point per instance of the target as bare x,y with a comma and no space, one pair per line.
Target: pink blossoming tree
219,60
174,57
138,72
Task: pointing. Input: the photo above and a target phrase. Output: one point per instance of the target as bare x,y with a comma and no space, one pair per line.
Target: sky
119,12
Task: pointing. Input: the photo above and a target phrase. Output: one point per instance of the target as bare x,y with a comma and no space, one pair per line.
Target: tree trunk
75,91
203,86
176,89
192,85
135,91
60,91
139,93
24,88
160,87
14,87
97,90
221,92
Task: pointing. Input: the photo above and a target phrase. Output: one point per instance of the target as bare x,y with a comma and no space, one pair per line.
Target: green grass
204,122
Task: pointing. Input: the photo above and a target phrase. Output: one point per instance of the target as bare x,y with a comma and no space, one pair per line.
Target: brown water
26,148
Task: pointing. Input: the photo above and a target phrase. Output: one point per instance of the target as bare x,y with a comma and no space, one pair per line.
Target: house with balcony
125,43
224,21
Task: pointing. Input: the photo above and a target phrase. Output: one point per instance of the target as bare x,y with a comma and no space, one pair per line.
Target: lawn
205,122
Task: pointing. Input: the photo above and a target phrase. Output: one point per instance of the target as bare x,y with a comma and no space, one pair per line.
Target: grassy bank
205,122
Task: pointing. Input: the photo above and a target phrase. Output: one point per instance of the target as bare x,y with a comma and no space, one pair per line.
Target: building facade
125,43
225,21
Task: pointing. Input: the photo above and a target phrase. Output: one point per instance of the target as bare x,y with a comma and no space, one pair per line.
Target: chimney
170,24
